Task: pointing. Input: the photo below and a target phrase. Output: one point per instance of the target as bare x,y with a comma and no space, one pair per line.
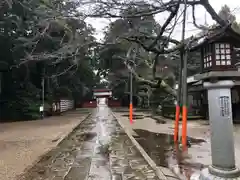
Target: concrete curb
158,170
50,149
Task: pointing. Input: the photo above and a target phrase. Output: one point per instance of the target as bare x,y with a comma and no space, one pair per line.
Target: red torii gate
106,93
102,93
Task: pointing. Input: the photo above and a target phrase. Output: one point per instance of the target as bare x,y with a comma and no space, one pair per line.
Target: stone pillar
221,126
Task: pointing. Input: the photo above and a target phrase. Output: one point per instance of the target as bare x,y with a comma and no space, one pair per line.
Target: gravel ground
22,143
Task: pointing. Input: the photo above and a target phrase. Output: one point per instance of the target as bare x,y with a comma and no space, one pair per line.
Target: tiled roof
214,34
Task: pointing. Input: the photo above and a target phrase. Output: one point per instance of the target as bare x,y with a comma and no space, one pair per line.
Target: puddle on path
135,116
87,136
161,148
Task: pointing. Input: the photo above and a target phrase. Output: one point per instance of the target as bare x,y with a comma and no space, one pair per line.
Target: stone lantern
218,73
218,50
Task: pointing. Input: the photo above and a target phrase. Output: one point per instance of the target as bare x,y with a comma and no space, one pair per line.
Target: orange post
184,127
176,128
131,113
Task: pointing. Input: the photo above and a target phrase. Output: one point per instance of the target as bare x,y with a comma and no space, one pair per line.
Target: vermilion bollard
176,128
131,113
184,127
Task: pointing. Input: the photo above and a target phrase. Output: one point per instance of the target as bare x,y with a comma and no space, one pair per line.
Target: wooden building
220,59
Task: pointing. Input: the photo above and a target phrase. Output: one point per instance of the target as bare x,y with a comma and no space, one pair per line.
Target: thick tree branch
212,12
167,22
194,20
162,84
106,6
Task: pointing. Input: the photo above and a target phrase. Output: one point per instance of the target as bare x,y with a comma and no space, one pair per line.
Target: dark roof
101,90
217,33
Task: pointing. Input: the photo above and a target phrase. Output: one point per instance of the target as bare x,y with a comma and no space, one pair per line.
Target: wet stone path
98,149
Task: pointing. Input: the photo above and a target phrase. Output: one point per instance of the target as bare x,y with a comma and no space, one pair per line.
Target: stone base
215,174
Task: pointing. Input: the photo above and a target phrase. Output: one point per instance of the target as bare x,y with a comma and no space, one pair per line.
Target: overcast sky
100,24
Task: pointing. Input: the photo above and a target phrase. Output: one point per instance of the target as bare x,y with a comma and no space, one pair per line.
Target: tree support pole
43,92
184,82
182,90
178,105
131,94
184,102
131,82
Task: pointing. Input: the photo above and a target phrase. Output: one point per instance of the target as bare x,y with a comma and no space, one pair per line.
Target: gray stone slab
77,173
166,171
104,152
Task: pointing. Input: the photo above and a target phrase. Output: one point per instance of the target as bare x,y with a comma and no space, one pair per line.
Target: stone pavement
98,149
22,143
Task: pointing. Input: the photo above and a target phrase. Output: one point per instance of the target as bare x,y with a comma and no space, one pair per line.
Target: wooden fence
66,104
62,105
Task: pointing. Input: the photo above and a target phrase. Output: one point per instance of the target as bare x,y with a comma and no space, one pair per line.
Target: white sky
100,23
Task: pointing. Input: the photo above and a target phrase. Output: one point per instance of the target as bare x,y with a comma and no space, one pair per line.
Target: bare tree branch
63,72
162,84
212,12
158,44
194,20
166,23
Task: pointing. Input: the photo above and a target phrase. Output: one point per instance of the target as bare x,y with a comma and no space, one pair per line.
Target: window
207,56
223,54
196,100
